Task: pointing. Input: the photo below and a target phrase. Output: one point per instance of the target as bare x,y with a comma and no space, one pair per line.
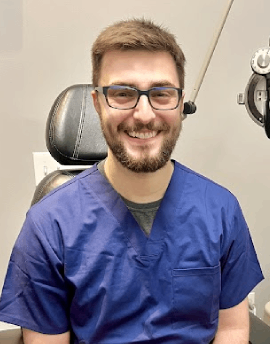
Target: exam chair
74,138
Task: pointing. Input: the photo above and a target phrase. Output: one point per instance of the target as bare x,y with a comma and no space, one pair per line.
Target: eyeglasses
126,98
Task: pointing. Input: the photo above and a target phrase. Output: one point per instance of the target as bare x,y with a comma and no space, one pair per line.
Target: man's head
136,34
138,55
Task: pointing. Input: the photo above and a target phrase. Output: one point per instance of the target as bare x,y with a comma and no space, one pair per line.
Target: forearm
232,336
233,327
31,337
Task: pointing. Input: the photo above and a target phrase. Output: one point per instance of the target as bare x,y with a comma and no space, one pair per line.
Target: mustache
140,126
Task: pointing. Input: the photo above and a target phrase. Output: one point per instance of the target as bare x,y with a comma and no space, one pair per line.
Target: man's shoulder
199,181
68,192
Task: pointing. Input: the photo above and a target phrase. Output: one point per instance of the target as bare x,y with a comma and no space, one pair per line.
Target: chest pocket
196,294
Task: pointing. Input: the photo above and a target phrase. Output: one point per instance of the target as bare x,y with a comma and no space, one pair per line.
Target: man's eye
121,94
160,94
124,94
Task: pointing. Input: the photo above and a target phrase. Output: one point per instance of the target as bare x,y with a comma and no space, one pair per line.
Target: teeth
142,135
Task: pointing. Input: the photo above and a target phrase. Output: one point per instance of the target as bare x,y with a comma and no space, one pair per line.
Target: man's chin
143,165
143,160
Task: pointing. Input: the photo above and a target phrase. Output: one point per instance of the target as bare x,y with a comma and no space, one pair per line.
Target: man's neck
138,187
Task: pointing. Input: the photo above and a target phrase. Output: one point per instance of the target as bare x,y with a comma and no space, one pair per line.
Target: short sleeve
34,294
240,269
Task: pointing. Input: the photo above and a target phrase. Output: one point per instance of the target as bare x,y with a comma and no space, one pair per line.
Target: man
138,249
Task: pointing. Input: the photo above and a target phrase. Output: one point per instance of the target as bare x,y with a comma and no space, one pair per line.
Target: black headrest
73,132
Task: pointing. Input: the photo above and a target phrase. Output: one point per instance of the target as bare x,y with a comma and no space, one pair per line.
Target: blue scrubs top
82,264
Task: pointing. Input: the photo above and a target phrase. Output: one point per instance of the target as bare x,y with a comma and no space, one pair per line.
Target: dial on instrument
260,61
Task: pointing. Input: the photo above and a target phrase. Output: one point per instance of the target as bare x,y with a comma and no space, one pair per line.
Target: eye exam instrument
256,95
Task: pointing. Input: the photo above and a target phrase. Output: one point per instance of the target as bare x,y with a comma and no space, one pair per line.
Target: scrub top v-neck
145,246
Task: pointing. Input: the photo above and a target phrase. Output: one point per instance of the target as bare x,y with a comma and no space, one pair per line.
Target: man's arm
31,337
233,326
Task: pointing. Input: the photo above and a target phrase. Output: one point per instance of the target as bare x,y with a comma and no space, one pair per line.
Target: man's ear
182,103
96,101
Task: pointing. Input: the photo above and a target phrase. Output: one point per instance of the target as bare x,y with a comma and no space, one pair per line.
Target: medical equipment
190,107
256,96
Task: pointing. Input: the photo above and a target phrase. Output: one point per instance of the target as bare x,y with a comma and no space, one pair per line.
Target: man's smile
142,135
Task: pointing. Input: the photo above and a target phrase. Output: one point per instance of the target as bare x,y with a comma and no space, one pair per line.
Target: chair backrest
13,336
73,136
73,133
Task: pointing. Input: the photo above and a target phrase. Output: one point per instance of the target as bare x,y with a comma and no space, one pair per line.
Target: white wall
45,47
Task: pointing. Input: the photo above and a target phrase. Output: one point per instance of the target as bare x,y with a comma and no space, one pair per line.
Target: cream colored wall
44,47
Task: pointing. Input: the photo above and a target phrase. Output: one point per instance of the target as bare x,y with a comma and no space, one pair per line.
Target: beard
145,163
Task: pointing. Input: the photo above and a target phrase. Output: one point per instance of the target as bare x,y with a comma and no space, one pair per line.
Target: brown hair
136,34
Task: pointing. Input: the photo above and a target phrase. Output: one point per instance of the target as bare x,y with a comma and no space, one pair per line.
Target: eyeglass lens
161,98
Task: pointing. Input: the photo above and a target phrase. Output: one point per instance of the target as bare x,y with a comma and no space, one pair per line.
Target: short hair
136,34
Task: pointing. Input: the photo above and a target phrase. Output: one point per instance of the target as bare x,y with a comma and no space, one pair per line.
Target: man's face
141,139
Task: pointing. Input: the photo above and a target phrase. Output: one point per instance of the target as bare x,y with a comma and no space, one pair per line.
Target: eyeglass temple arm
190,107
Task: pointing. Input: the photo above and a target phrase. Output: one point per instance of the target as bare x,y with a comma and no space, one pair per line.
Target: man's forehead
138,53
157,68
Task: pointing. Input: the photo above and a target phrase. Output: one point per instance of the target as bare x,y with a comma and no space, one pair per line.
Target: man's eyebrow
159,83
121,83
162,83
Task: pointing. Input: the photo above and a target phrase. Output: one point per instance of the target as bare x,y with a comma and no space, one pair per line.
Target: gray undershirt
144,213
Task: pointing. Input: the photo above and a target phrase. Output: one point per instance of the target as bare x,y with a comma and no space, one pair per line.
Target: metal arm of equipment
190,107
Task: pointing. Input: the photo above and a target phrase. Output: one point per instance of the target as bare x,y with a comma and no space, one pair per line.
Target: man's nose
143,112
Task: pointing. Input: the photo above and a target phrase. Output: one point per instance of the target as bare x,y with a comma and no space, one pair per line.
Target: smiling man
139,248
141,131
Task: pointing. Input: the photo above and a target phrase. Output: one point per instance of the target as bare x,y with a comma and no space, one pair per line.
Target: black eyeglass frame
104,90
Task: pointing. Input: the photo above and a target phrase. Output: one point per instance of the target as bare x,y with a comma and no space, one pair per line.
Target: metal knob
263,61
